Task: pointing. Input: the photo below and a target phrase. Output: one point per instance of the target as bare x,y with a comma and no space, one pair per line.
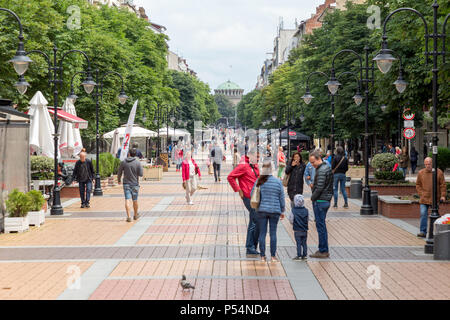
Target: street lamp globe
274,118
89,84
400,84
20,63
72,97
383,108
358,99
155,122
122,97
307,97
22,85
302,118
384,60
172,119
333,86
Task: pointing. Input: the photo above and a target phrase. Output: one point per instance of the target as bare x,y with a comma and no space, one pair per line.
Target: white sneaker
191,203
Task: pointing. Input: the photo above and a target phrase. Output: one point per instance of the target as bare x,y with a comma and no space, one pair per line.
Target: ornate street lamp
384,61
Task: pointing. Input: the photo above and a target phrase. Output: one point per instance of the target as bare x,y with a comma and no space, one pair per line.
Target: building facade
230,90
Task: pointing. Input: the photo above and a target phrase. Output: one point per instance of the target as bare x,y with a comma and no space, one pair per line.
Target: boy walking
300,224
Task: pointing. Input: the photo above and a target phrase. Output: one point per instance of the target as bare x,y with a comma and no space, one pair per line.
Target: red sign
409,133
408,116
292,133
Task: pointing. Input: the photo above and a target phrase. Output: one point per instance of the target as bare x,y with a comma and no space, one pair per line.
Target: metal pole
429,246
98,185
57,208
288,130
332,125
366,208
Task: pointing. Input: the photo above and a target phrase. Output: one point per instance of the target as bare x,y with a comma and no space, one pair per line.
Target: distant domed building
231,90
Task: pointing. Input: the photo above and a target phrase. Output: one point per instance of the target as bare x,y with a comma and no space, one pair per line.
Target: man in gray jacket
322,192
131,169
216,160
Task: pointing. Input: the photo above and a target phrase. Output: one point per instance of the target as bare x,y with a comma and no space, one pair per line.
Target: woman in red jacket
190,170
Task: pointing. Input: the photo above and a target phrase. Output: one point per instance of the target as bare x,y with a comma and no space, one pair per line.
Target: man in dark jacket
131,169
339,167
322,192
83,173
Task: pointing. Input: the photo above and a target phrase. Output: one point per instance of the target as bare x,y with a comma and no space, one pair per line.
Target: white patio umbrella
41,127
115,145
70,143
138,132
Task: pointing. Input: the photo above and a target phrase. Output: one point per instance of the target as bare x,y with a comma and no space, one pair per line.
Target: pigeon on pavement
184,284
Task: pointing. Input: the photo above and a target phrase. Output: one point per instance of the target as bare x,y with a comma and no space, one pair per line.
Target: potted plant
18,205
37,215
153,172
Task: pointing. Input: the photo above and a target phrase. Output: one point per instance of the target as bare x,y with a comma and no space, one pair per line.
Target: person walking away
270,210
296,170
300,226
131,169
246,173
281,162
268,151
404,159
424,187
413,159
138,152
216,159
309,174
339,167
322,192
83,173
236,158
190,171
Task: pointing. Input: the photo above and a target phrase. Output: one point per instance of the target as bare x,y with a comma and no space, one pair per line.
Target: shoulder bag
338,165
255,198
286,179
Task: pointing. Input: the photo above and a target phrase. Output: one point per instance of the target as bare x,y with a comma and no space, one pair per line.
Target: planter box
392,189
393,207
36,218
153,174
16,224
70,191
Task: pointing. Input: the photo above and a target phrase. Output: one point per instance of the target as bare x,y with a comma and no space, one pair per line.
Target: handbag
255,198
286,179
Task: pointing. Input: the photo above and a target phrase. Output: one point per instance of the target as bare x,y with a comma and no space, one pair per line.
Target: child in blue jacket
300,225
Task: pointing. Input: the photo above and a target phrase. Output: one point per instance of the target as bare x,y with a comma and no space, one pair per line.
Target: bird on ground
184,284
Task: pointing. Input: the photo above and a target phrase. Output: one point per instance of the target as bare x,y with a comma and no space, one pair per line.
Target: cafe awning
65,116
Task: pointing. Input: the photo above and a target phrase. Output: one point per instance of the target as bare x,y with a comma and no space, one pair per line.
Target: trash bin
356,189
441,241
374,200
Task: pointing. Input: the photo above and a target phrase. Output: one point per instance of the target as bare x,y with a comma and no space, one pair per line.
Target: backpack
213,153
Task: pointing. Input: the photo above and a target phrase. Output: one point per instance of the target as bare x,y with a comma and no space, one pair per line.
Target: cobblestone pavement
113,259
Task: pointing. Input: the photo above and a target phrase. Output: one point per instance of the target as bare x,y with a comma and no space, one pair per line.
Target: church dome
229,86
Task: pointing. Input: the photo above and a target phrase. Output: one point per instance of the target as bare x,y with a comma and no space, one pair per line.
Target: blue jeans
320,214
85,191
253,228
404,170
339,178
272,219
300,239
131,192
413,167
424,217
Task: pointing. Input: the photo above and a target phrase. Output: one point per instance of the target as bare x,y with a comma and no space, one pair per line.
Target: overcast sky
225,39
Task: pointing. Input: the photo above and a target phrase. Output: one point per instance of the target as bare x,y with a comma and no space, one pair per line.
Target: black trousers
216,167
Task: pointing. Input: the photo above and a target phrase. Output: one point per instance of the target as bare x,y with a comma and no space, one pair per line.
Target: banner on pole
126,140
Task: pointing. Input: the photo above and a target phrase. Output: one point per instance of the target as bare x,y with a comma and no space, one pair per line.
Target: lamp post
384,61
308,97
99,94
333,86
21,62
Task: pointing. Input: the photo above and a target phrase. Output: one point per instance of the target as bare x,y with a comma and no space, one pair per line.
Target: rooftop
228,86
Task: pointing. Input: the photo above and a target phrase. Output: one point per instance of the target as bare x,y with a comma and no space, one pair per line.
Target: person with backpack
83,173
339,167
246,173
270,210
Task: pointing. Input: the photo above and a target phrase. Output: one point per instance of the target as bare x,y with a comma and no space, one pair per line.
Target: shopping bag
286,180
290,216
255,198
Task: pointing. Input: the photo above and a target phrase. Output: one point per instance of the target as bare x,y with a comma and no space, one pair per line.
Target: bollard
374,200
